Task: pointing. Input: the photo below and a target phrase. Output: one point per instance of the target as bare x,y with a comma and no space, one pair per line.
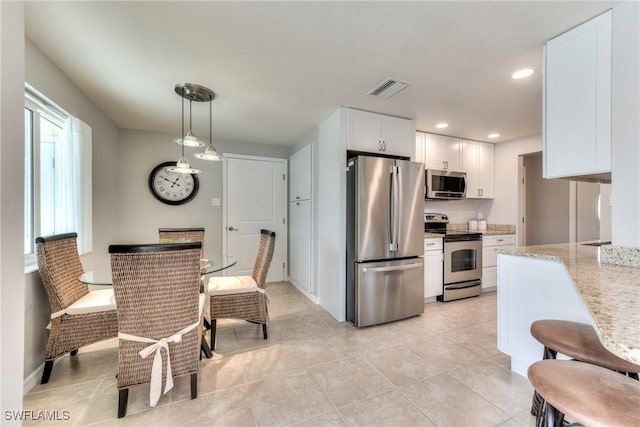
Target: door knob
230,228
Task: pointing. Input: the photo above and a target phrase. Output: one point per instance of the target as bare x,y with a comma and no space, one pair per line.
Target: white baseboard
304,292
34,378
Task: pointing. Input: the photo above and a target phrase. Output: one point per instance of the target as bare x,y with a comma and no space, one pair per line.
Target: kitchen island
568,282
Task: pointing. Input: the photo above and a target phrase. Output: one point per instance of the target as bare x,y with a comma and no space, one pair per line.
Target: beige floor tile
448,402
525,418
322,348
389,409
441,353
505,389
284,399
350,380
476,341
69,402
214,374
90,364
228,407
502,360
401,366
268,361
329,419
156,417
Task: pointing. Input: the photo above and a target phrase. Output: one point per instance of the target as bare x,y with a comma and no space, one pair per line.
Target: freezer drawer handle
397,268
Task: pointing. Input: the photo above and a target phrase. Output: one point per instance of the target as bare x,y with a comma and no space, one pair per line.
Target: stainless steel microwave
445,185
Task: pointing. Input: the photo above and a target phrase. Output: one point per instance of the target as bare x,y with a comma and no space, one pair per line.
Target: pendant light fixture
210,152
192,92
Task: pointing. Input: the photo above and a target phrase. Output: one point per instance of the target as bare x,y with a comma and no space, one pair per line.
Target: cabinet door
419,152
577,131
485,169
433,151
364,131
470,166
433,273
300,245
452,153
300,170
397,136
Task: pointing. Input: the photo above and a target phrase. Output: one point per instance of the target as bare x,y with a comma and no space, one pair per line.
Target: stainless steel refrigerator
385,229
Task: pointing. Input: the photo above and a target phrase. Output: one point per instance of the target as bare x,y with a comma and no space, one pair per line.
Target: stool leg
537,401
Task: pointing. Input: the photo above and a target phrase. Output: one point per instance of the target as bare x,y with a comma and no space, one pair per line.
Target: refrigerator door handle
393,210
399,205
391,268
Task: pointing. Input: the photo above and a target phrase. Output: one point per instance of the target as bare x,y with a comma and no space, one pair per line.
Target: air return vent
388,88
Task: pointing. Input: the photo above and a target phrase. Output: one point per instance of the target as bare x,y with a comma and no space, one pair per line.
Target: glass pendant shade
182,166
190,140
209,154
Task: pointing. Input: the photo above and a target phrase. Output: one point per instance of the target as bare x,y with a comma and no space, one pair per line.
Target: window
57,174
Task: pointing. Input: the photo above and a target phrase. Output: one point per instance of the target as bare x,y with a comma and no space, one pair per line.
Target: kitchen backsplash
460,211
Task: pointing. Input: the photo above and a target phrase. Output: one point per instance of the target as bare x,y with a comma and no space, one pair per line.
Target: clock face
172,188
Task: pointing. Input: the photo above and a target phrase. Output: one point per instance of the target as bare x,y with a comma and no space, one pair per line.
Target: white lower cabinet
300,245
433,264
490,246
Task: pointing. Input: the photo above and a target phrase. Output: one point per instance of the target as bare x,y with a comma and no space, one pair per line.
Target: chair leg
204,348
123,397
264,330
213,334
74,352
194,385
48,366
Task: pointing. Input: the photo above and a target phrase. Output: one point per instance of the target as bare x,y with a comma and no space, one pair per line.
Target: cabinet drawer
499,240
489,277
433,243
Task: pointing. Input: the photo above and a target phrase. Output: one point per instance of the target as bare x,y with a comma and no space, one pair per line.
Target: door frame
285,239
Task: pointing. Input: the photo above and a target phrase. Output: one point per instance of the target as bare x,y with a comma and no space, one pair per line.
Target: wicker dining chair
159,306
78,317
243,297
182,235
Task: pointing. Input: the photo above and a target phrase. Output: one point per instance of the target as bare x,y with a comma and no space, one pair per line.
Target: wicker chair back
60,267
265,254
182,235
156,289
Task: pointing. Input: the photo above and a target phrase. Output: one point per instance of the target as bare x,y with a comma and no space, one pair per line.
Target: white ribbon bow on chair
156,346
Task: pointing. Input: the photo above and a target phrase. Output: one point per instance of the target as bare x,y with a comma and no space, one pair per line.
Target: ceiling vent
388,88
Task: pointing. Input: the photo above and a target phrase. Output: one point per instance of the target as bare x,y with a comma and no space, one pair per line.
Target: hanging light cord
210,119
182,122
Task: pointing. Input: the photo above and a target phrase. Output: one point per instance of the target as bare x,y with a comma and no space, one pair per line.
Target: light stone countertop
433,235
610,292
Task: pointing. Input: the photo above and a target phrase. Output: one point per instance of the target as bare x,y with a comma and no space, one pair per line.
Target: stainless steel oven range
462,259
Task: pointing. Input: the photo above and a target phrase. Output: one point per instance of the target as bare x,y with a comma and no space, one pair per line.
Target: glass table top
212,264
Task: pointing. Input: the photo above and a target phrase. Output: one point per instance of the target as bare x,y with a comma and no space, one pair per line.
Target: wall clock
172,188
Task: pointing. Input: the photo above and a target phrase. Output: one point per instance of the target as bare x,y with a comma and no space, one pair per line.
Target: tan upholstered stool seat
580,342
588,394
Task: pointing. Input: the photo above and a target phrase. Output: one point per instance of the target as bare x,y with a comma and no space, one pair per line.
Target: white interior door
255,198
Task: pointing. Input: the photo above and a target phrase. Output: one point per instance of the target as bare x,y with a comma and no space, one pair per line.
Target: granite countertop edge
611,292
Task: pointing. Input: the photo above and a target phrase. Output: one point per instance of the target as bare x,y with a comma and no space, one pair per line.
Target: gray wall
47,78
547,205
140,214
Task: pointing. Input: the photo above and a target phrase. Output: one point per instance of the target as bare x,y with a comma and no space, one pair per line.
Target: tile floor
441,368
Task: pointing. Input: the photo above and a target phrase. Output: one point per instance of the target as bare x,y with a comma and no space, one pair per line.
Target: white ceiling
279,68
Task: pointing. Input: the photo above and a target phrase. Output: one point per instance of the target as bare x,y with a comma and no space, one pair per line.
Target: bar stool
577,341
588,394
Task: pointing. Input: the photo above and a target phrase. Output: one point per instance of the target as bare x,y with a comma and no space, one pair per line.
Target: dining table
213,263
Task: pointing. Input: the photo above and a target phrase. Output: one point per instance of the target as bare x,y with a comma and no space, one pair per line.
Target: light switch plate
215,202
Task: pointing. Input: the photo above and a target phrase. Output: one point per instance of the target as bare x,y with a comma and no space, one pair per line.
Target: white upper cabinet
300,174
440,152
478,163
373,132
577,90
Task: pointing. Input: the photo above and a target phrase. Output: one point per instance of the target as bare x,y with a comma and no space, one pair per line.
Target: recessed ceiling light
521,74
442,125
493,135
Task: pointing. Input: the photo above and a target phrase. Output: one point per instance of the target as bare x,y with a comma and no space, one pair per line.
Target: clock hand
175,182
